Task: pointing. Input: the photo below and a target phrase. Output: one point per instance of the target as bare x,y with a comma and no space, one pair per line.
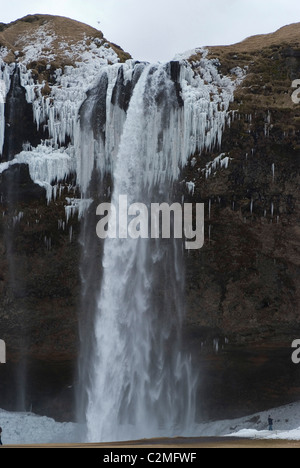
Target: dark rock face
16,186
39,289
242,288
98,115
19,125
122,91
175,73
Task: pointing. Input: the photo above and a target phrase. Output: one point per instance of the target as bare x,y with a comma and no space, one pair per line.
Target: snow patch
28,428
46,165
191,187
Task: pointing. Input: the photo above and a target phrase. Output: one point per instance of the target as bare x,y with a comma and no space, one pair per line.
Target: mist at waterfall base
138,126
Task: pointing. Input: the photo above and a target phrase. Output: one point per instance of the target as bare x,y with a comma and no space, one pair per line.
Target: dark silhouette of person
1,436
270,422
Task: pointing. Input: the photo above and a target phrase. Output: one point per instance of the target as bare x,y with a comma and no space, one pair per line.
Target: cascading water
139,383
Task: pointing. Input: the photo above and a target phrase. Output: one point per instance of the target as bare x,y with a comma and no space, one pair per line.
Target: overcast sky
155,30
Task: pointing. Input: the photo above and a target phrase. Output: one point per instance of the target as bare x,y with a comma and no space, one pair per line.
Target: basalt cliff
242,289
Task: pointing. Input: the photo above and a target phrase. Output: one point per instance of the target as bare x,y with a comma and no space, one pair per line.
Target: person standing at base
270,422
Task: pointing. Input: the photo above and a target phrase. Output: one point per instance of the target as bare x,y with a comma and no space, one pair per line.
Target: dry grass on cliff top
289,35
18,34
267,80
252,46
61,26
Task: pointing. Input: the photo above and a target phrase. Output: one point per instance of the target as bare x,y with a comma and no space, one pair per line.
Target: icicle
225,162
191,187
216,345
48,243
76,206
193,162
17,218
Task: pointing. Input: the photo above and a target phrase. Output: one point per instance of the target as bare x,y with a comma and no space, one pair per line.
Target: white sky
156,30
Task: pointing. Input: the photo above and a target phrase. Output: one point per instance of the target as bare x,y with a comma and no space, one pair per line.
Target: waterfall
138,128
138,125
141,384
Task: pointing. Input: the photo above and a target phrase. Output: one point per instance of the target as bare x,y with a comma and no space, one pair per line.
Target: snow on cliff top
57,39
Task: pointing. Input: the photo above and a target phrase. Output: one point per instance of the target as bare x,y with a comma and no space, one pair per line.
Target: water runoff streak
149,119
